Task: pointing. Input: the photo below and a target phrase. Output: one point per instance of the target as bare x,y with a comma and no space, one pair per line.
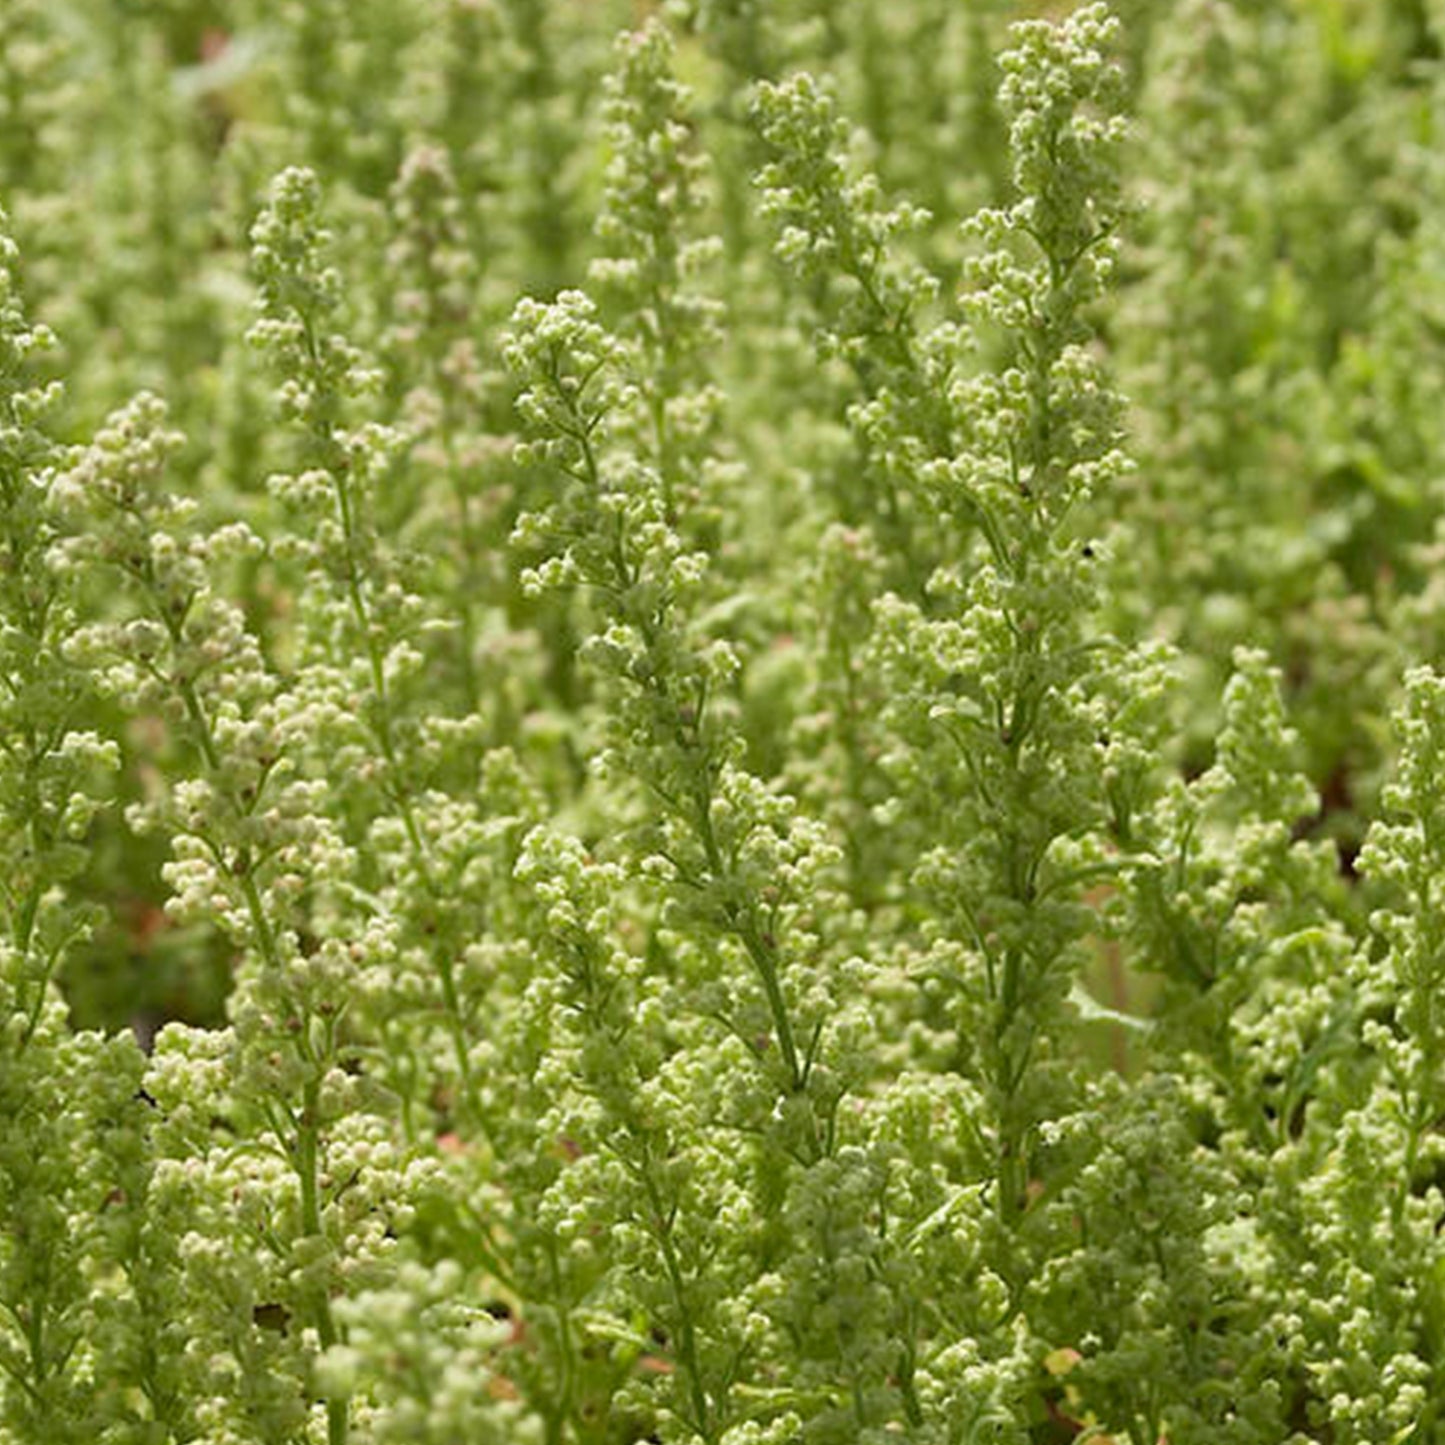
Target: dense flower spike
53,1093
649,275
1014,701
735,856
748,849
842,243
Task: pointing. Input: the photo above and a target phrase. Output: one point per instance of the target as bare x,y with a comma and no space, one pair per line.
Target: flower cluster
721,723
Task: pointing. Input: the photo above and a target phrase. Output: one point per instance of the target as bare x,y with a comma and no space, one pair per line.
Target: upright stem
304,1149
338,468
306,1156
740,917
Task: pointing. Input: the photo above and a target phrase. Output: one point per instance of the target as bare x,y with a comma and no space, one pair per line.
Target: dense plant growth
718,722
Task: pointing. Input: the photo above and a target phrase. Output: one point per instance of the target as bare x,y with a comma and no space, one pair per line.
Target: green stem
337,466
660,1220
307,1150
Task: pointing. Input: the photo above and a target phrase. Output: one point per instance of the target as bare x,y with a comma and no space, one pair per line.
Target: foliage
721,723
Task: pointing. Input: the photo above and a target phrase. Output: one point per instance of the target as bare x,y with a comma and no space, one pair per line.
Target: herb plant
720,723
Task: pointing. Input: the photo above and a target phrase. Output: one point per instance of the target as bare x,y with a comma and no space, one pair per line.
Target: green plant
720,770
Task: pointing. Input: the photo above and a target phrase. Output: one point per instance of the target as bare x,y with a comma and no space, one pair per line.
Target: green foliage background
719,721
